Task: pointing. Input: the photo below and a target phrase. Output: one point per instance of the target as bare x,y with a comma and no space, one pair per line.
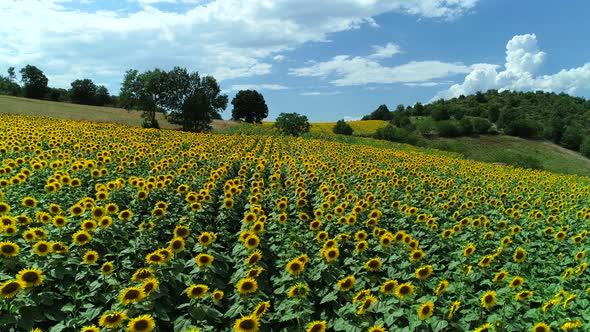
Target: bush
342,128
481,125
426,127
391,133
523,128
448,128
292,124
572,138
466,126
585,147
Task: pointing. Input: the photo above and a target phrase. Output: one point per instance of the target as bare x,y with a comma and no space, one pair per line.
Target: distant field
360,128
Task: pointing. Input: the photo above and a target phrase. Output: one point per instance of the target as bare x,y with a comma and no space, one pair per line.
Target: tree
292,124
249,106
146,92
102,96
8,86
34,82
191,101
57,94
381,113
342,128
11,74
83,92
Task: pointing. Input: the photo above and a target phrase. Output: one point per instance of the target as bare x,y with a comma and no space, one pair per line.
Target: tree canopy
249,106
292,124
34,82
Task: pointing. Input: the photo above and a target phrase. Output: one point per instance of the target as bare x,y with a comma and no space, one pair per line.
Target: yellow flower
9,249
346,284
484,328
404,290
247,324
488,299
42,248
516,282
247,286
30,277
131,295
261,309
90,257
317,326
106,268
541,327
10,288
426,310
217,296
143,323
373,264
197,291
571,325
367,302
453,308
442,286
204,260
112,320
81,238
388,286
519,255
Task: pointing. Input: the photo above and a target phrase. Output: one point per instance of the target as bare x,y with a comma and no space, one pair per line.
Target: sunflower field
111,228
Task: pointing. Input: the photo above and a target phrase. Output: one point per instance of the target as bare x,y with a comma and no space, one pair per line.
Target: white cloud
523,59
227,38
278,58
423,85
320,93
384,52
273,87
358,70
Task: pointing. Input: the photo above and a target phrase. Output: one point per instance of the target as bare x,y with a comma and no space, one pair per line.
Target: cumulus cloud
320,93
359,70
523,60
227,38
273,87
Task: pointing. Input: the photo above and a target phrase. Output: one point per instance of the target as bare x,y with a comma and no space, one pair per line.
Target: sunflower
105,222
442,287
76,210
373,264
9,249
112,320
131,295
389,286
299,290
484,328
90,257
177,245
150,285
346,284
10,288
521,296
404,290
368,301
426,310
316,326
377,328
206,238
181,231
90,328
252,241
42,248
125,215
516,282
217,295
142,274
143,323
106,268
29,202
519,255
197,291
29,235
361,246
155,258
417,255
571,325
98,212
454,307
500,276
204,260
30,277
81,237
469,250
247,286
295,267
424,272
247,324
580,255
486,260
541,327
331,254
4,208
254,258
261,309
488,299
59,221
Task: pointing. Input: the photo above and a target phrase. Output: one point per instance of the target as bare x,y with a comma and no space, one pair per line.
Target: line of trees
35,85
560,118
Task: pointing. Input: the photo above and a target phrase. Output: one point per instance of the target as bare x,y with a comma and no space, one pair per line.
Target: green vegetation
292,124
342,128
249,106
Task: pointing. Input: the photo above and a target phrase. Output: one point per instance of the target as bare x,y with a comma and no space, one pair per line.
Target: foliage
83,92
342,128
518,160
585,147
249,106
145,92
34,82
448,128
390,237
394,134
381,113
292,124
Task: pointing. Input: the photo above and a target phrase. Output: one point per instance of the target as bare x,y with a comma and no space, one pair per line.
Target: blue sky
326,59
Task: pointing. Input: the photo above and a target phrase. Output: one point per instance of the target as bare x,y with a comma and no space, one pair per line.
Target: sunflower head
247,286
30,277
197,291
90,257
247,324
131,295
143,323
317,326
113,319
426,310
10,288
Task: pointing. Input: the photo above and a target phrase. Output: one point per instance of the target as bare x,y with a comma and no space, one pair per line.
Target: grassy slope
485,148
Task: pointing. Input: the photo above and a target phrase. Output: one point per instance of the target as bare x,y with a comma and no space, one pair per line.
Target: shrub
292,124
518,160
342,128
448,128
523,128
481,125
585,147
391,133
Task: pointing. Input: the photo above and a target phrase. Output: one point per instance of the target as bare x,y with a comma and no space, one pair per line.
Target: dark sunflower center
295,267
423,272
204,239
42,247
489,299
141,325
10,288
8,249
373,264
388,287
204,259
83,237
247,324
425,310
181,232
332,253
197,291
106,268
176,245
30,277
316,328
519,255
404,290
114,318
